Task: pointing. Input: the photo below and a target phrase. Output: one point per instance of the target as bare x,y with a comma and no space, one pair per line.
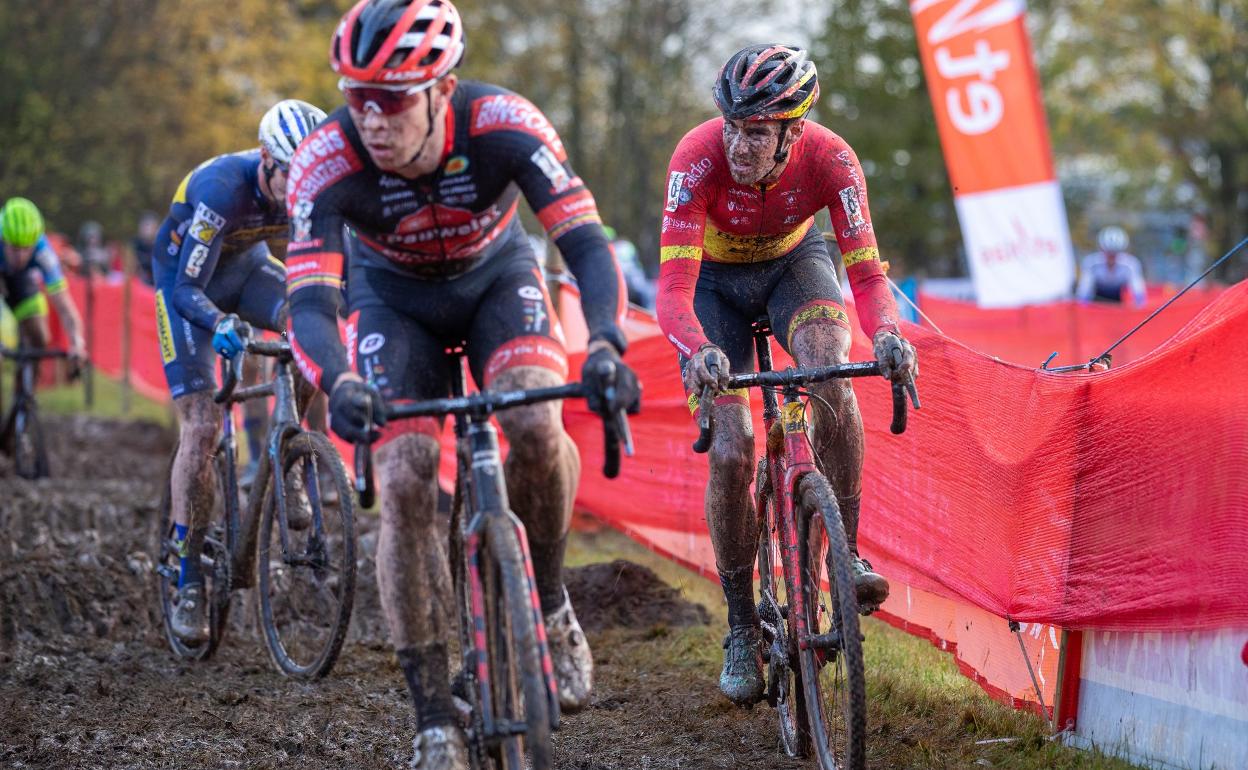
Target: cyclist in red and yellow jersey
739,241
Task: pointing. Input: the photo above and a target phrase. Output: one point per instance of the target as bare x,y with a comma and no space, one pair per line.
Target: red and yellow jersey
707,215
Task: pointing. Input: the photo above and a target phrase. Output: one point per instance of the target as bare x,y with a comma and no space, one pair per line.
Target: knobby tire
834,682
270,559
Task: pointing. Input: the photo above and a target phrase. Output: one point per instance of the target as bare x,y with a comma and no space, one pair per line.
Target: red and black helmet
398,41
767,82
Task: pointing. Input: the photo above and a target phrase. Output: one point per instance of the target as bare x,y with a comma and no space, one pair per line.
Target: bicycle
22,434
811,635
507,676
305,576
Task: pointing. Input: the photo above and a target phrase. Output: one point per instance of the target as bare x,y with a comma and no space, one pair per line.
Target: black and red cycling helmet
767,82
398,41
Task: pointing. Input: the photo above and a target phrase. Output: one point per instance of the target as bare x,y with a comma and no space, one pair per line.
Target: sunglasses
387,100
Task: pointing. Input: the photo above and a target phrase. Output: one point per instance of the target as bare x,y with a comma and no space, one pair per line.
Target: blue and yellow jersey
218,212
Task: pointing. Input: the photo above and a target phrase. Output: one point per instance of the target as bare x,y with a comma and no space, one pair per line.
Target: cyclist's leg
811,322
515,343
413,571
726,316
186,351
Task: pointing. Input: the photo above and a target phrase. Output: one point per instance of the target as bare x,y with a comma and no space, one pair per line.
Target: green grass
923,712
108,402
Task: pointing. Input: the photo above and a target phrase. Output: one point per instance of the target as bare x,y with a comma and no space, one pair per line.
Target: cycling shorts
23,296
797,289
400,327
251,284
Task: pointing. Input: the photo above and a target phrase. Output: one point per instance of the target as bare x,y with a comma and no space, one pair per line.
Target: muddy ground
86,680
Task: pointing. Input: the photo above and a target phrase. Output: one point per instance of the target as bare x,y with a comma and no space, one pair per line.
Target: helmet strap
269,170
782,152
429,129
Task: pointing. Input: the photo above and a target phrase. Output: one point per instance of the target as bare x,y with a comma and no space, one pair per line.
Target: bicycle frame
284,424
787,460
483,489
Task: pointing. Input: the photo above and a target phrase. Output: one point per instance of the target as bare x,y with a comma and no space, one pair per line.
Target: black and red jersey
498,147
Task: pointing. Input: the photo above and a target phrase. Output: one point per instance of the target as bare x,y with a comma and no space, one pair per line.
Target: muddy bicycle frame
481,483
23,415
790,456
284,423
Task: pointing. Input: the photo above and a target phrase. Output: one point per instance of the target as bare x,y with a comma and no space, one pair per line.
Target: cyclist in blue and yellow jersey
25,252
218,269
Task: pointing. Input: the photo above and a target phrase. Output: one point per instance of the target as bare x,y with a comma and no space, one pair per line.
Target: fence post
88,379
126,330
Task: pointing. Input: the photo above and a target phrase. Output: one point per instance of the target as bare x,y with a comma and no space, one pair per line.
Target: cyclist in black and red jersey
739,241
412,189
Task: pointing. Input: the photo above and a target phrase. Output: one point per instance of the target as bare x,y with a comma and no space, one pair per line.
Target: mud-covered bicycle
21,434
815,676
301,562
507,676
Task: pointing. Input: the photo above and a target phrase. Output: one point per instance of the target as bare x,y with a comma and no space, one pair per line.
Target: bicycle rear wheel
518,725
779,627
214,568
833,679
307,589
30,455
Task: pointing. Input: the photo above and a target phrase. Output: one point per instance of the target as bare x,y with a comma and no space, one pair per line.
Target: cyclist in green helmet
25,252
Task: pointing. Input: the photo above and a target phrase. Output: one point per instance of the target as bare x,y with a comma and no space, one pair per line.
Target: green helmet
21,224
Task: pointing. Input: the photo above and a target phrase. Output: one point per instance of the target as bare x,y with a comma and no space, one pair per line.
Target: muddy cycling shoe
569,651
190,617
439,748
298,506
870,586
742,677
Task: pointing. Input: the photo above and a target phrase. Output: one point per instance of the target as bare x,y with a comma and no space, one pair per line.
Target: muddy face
750,147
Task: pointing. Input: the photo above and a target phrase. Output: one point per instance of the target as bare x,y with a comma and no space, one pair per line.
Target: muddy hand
896,357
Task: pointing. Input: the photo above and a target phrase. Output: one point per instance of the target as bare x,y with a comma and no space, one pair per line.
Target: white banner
1017,244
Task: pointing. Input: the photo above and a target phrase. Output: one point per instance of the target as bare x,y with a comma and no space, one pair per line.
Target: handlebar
800,378
616,431
32,354
232,368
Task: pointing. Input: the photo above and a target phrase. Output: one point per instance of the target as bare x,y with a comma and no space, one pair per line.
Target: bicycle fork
489,499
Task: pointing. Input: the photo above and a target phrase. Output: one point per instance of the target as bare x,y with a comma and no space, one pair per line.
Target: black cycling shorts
794,290
251,284
400,327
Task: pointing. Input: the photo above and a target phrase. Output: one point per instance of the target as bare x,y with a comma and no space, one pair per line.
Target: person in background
641,288
1105,273
26,258
95,256
143,243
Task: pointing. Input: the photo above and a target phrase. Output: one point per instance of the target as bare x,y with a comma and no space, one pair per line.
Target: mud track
87,682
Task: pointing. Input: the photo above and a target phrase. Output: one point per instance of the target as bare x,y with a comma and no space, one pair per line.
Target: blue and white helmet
1112,239
285,125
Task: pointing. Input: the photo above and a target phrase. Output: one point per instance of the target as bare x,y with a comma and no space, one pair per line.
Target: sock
548,571
179,532
738,587
425,668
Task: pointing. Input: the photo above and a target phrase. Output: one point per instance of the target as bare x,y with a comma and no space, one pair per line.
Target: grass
923,712
71,399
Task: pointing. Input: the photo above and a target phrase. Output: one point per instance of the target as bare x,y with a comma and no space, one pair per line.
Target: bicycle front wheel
833,679
779,625
306,558
30,454
518,721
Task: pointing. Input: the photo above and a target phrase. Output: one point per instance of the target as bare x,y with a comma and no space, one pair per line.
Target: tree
1158,88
